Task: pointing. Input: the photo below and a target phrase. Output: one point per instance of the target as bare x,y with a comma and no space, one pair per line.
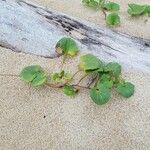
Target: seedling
107,76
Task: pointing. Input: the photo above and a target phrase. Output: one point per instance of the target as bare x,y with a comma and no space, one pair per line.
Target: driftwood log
29,28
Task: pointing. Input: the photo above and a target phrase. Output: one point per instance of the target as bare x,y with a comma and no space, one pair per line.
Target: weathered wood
26,27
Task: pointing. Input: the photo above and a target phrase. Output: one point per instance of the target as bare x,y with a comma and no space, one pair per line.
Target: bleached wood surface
29,28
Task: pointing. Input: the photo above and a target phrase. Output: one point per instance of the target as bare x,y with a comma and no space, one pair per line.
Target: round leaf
113,68
113,19
135,9
100,96
90,62
67,46
34,75
106,81
40,79
147,10
111,6
29,73
91,3
125,89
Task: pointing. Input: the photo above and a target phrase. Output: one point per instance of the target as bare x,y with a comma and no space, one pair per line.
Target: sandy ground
138,26
46,119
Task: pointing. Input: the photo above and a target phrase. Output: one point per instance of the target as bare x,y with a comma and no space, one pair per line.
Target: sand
138,26
44,118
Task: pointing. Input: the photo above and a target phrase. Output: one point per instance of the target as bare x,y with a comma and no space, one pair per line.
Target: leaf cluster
108,76
112,18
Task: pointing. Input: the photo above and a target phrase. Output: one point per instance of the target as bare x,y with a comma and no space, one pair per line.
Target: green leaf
125,89
113,19
55,77
34,75
69,90
111,6
135,9
40,79
113,68
93,3
105,80
28,73
58,76
90,63
147,10
67,46
100,95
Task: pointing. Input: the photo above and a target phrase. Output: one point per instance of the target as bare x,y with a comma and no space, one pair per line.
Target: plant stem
63,61
93,80
81,86
103,11
82,79
75,73
60,85
55,85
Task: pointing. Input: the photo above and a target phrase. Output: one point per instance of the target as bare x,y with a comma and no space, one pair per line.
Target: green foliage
113,68
67,46
89,63
93,3
107,77
111,6
69,90
135,9
100,95
59,76
105,80
126,89
34,75
113,19
147,10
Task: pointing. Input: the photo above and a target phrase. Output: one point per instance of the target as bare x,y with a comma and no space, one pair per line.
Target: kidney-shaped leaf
100,95
147,10
105,80
111,6
91,3
29,72
114,68
125,89
90,62
34,75
135,9
67,46
113,19
40,79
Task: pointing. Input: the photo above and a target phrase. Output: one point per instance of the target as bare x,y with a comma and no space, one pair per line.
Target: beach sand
44,118
137,26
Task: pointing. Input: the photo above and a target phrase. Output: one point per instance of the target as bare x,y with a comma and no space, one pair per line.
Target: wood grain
29,28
